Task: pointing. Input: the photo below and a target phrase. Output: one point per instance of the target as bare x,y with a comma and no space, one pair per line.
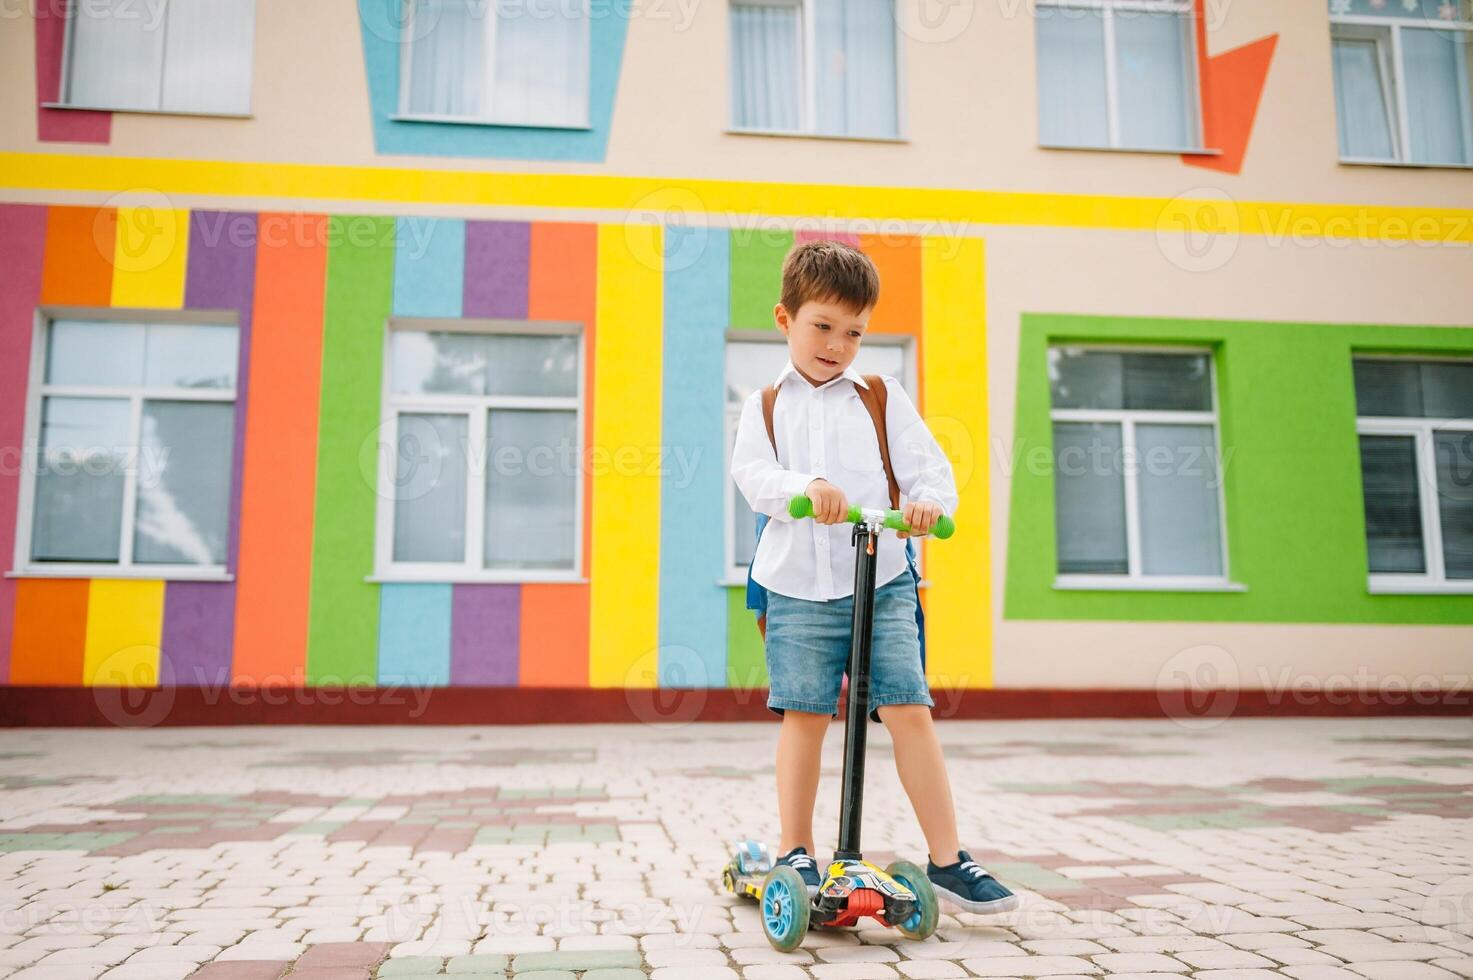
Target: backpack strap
874,398
769,399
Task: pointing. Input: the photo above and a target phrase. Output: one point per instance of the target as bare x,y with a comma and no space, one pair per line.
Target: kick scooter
852,889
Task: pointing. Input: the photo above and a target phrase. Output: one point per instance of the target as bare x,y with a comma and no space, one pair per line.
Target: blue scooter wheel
922,921
784,908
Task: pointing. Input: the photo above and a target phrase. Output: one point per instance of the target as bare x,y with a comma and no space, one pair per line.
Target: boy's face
823,337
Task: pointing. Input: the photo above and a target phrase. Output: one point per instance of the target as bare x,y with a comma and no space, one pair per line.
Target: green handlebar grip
800,507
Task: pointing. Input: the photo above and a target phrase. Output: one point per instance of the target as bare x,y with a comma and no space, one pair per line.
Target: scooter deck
841,879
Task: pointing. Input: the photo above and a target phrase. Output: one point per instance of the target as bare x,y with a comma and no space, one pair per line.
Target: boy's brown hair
827,270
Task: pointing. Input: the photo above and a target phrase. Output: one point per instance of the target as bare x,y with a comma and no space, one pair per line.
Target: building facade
402,343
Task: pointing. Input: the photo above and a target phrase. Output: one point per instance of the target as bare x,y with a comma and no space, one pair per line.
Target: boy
828,449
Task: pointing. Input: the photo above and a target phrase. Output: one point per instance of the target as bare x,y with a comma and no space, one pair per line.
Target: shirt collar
790,370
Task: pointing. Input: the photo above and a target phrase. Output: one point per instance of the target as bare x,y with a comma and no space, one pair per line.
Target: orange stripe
78,269
561,286
898,259
50,631
278,485
554,650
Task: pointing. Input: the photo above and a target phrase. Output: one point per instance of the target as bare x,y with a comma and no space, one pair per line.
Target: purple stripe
23,243
497,254
199,630
485,635
222,276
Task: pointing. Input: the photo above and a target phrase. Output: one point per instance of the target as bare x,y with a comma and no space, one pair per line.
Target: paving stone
150,971
1401,970
1139,963
400,965
1035,966
1223,959
1372,952
692,973
478,963
241,970
853,971
1459,965
341,954
685,957
930,969
1318,972
1063,947
575,960
775,972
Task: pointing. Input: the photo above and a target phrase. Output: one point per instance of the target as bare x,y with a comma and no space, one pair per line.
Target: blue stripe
429,266
692,517
414,633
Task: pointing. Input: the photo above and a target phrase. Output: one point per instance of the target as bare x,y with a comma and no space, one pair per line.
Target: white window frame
1393,83
476,408
736,574
1127,419
808,93
37,389
406,55
1112,94
64,100
1422,430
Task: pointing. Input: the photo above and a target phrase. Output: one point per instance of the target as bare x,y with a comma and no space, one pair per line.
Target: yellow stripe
149,257
624,617
959,570
651,199
125,624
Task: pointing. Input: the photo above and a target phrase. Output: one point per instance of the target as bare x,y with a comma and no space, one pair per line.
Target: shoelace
800,861
974,868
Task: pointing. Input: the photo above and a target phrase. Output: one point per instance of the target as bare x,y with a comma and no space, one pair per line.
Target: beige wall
1039,270
969,101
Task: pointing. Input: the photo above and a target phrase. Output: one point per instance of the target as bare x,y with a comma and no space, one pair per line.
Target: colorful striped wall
312,294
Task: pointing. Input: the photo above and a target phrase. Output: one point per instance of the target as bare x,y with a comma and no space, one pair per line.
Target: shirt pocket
859,446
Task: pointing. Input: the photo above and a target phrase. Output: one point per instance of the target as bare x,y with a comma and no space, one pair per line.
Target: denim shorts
808,650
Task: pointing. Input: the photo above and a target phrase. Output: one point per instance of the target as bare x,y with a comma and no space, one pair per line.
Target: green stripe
756,274
342,632
746,661
1291,486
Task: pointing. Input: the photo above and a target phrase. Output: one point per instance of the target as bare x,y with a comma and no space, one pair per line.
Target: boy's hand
830,506
921,516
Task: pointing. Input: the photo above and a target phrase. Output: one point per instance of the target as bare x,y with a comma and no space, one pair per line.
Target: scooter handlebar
801,506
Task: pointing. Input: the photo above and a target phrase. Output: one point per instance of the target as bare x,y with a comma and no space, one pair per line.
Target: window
1415,422
168,56
483,481
1137,493
815,67
753,364
1402,70
1118,74
132,426
508,62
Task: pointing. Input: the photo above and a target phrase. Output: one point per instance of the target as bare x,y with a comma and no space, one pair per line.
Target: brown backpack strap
769,399
875,397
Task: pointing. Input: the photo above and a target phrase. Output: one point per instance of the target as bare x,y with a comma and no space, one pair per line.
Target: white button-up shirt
825,431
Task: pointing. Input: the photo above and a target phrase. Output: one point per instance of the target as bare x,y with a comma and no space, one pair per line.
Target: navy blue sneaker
799,860
969,887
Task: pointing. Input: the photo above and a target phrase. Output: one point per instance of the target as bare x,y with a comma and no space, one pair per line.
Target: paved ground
1246,851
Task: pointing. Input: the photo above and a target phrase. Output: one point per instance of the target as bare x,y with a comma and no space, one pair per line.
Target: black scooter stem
857,720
